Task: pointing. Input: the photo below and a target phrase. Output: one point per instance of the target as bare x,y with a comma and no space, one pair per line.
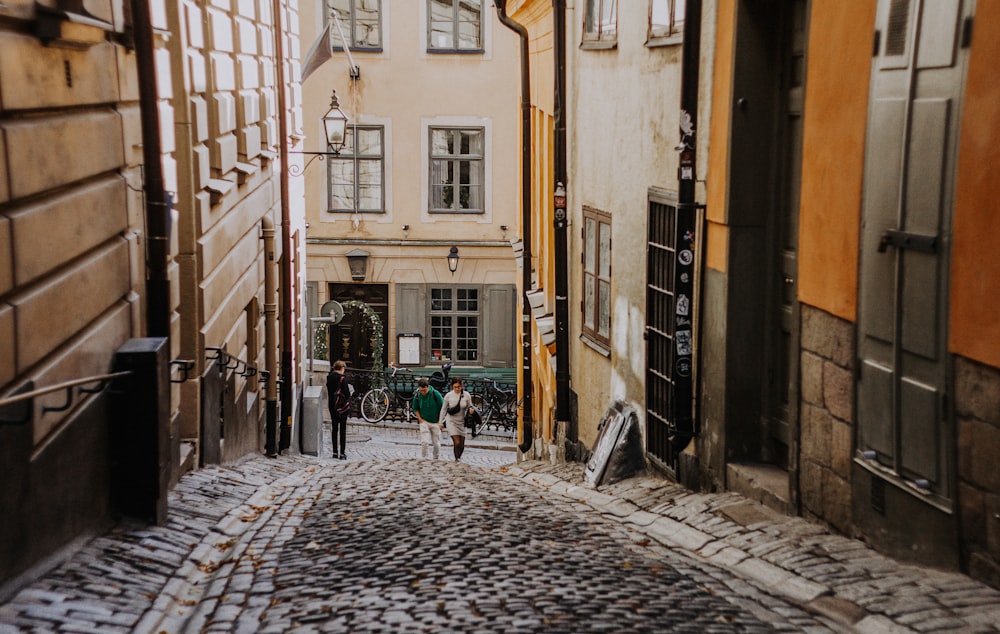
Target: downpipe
527,437
270,339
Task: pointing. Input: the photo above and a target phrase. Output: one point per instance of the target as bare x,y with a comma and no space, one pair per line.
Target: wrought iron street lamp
335,127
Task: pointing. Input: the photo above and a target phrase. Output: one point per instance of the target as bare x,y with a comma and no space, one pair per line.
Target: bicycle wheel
375,405
486,411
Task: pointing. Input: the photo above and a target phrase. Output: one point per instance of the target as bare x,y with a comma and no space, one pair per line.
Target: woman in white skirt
456,403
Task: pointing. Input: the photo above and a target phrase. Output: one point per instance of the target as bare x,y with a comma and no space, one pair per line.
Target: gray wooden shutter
917,80
411,313
498,312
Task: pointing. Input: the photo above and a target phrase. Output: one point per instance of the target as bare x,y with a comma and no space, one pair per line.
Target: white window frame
600,24
454,315
666,22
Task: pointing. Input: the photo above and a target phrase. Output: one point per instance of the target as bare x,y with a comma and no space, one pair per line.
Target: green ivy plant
372,325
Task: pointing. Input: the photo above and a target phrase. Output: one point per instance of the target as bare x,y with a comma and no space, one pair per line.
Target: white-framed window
600,23
597,276
454,318
456,169
361,21
356,177
666,22
455,26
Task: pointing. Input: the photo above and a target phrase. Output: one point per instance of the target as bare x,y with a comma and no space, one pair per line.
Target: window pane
588,301
369,141
341,184
609,19
604,259
440,142
659,18
604,308
590,18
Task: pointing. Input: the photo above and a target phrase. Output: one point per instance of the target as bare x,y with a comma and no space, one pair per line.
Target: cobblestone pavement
387,542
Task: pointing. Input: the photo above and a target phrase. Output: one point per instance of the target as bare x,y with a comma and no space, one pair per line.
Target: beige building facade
430,169
149,243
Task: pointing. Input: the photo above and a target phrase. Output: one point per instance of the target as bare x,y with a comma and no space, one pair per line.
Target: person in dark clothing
338,392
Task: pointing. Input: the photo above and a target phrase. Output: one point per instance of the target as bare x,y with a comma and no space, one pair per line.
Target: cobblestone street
387,542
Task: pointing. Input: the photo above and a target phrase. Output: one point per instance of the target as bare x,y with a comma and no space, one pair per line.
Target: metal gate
670,319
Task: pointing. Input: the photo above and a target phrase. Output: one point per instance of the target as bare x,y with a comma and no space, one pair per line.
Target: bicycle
497,407
377,402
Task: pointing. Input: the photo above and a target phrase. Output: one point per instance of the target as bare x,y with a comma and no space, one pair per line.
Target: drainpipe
270,336
687,208
560,220
157,199
527,438
287,283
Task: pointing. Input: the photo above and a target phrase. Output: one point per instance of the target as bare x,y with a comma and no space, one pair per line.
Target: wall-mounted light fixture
503,228
406,230
335,128
453,260
357,260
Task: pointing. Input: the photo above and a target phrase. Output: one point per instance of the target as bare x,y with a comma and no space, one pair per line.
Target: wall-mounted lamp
453,260
335,128
406,230
503,228
357,260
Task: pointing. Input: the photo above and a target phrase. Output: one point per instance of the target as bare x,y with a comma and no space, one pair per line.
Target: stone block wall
977,410
827,419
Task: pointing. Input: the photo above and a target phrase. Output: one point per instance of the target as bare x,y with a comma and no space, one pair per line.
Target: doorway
352,340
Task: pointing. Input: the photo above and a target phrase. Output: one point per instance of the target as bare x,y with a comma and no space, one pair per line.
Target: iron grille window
456,170
455,324
597,276
362,23
661,311
455,25
600,21
356,175
666,21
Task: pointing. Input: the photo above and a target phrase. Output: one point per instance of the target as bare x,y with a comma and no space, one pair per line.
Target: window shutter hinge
876,42
967,32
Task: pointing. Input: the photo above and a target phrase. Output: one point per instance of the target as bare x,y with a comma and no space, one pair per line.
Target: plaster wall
623,122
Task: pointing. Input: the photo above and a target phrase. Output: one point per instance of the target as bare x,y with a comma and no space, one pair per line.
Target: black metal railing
18,408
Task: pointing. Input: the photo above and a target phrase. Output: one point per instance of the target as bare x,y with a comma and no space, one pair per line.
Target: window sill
596,45
458,212
668,40
355,211
596,346
456,51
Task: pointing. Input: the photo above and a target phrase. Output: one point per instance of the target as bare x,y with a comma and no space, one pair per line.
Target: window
597,275
361,21
455,324
600,23
456,170
666,22
356,176
455,25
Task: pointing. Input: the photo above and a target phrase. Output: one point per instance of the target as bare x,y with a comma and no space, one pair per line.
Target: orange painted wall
837,77
717,174
975,258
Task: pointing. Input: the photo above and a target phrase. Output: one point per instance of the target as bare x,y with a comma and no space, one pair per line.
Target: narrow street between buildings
387,542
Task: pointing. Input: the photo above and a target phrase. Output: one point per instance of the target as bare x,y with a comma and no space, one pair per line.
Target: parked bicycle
497,407
396,393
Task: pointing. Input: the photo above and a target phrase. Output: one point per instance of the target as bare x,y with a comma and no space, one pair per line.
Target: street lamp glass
335,125
453,259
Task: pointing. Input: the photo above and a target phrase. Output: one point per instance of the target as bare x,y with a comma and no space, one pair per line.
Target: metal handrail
102,379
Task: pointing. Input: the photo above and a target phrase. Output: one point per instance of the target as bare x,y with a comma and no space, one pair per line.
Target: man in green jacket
426,404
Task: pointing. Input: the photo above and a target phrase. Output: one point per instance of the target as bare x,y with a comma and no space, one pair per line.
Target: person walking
427,406
338,392
456,403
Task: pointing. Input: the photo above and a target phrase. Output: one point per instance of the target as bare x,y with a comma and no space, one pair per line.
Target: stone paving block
641,518
880,625
682,535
